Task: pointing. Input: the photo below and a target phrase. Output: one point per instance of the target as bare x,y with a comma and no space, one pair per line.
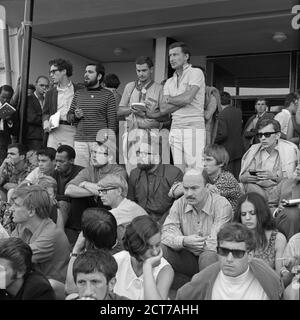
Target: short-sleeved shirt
191,115
153,95
283,118
94,174
128,284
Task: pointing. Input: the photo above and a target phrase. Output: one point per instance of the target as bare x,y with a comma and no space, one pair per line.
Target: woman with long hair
252,210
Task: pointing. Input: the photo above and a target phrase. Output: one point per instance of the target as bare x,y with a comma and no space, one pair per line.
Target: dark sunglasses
266,134
236,253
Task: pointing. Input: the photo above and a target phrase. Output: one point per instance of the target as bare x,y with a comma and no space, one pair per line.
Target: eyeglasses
236,253
266,134
104,191
53,71
252,213
143,154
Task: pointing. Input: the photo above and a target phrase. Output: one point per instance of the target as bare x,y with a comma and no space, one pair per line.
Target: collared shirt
41,101
153,96
283,118
128,284
255,120
191,115
150,189
184,220
64,99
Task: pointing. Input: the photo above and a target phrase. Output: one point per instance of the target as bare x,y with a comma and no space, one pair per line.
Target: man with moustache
57,102
190,230
237,275
92,109
150,182
33,125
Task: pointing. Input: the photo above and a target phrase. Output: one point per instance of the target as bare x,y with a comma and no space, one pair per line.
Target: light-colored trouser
83,153
64,134
187,147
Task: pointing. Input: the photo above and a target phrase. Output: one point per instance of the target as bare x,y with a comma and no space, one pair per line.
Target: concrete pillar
161,59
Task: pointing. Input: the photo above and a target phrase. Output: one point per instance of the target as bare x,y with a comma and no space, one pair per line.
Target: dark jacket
33,127
229,132
201,285
50,106
248,135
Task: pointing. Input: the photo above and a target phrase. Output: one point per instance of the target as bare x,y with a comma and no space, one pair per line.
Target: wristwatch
73,254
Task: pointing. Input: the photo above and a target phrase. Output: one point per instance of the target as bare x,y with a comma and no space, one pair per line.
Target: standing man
57,104
7,124
184,95
93,108
143,90
250,129
33,125
230,136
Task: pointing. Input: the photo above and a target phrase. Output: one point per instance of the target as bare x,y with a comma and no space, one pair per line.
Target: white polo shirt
191,115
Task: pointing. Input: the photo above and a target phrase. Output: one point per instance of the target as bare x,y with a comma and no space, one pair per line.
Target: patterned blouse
268,254
228,187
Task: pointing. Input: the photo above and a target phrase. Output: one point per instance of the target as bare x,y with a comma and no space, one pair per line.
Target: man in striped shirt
92,109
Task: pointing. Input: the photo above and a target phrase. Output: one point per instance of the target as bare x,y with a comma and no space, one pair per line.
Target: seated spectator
253,211
46,165
150,182
94,273
14,168
266,163
290,272
31,207
65,171
219,180
285,115
99,231
189,233
237,275
113,191
287,218
83,188
22,282
143,273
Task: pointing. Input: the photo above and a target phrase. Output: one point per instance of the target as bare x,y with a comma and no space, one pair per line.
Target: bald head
194,177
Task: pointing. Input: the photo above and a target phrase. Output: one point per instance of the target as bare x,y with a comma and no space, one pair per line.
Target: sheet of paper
54,120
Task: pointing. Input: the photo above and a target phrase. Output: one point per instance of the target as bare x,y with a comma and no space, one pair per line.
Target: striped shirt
99,110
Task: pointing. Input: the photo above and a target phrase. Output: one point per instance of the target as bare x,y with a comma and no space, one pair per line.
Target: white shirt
243,287
283,118
128,284
126,211
34,176
64,99
191,115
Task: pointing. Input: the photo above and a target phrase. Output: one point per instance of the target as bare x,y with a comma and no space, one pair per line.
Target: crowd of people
159,193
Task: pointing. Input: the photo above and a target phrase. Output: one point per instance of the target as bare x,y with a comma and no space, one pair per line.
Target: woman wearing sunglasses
143,274
252,210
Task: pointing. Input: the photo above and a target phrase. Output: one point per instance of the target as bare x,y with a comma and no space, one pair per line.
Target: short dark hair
144,60
7,88
68,149
290,98
31,87
263,216
41,77
99,69
62,64
21,148
262,99
95,261
137,234
183,47
111,80
265,122
218,152
236,232
48,152
99,227
18,253
225,98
